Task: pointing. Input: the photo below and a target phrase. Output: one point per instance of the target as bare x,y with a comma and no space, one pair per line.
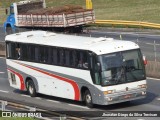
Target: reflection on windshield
122,67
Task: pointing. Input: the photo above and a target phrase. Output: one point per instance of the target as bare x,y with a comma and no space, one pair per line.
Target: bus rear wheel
31,88
88,99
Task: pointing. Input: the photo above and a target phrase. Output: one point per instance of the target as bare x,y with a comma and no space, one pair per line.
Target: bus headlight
142,86
108,92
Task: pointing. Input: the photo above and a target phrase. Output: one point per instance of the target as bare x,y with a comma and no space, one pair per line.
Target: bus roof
98,45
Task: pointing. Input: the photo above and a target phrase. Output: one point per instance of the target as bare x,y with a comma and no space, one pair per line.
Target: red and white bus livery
95,70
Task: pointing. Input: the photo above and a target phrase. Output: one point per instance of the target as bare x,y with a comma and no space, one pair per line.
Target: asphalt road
149,42
150,103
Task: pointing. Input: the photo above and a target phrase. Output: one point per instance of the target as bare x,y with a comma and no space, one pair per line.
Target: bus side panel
15,79
45,82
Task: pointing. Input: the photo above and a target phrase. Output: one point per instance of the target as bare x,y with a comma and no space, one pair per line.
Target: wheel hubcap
88,98
30,89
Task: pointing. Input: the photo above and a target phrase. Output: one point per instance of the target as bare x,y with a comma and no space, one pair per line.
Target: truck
33,14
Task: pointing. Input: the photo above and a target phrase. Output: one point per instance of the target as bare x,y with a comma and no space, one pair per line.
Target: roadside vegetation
134,10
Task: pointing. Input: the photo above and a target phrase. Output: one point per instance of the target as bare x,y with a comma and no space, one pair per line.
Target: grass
134,10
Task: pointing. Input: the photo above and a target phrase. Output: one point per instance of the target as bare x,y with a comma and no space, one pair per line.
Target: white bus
95,70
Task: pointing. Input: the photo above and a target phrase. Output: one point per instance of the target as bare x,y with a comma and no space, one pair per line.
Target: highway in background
147,40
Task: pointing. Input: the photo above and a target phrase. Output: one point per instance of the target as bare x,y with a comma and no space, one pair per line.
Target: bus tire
88,99
31,88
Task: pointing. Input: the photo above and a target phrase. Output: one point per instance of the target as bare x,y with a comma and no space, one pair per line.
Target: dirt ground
57,10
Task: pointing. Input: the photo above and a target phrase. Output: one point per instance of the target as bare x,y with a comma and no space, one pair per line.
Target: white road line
152,44
46,118
53,101
2,72
26,95
38,98
132,33
158,98
78,106
4,91
152,78
2,58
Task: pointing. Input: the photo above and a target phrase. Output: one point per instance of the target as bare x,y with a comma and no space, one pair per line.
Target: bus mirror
144,60
6,11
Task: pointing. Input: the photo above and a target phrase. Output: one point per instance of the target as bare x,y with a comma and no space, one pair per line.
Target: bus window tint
61,57
55,56
72,57
24,52
82,59
67,59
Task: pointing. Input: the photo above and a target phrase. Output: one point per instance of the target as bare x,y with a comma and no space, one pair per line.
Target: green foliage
134,10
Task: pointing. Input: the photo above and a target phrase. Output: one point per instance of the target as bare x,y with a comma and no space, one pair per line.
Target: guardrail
128,23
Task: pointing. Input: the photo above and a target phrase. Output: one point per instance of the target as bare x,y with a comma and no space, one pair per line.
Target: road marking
4,91
53,101
38,98
2,72
78,106
139,34
158,98
153,78
26,95
2,58
152,44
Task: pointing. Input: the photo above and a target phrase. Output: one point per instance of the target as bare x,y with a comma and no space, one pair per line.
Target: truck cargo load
35,14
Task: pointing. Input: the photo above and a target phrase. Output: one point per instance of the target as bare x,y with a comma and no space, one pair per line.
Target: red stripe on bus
20,77
73,83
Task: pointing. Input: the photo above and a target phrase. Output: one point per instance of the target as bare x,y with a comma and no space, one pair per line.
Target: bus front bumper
123,97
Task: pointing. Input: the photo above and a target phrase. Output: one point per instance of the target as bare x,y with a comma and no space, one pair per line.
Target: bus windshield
121,67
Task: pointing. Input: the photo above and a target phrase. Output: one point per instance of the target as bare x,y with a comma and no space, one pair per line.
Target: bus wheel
31,88
88,99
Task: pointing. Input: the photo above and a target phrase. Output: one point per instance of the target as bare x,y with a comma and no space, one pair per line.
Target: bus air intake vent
100,39
47,34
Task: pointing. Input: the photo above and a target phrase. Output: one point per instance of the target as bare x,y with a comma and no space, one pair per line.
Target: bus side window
67,58
24,52
50,55
31,52
43,54
36,53
55,56
9,50
82,57
72,57
95,73
13,50
61,56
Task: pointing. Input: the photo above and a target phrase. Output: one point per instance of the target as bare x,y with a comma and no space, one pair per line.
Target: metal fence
150,50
